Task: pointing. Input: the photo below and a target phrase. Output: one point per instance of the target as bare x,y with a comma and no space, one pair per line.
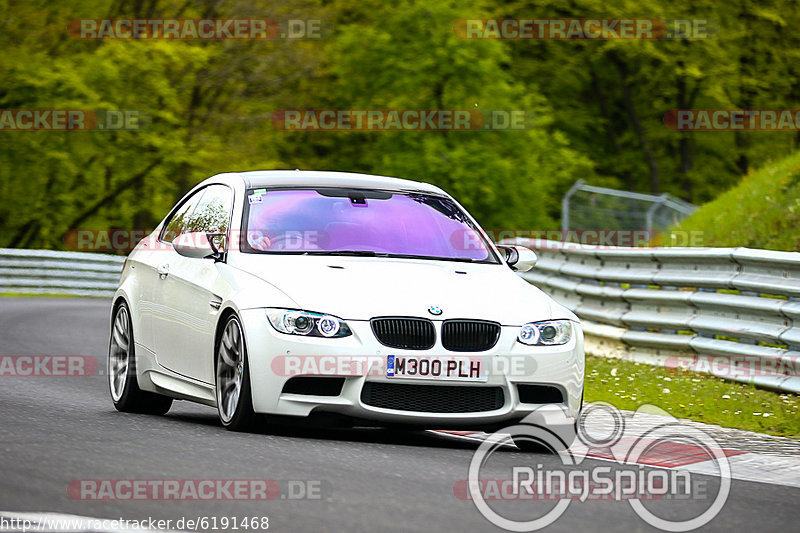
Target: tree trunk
121,187
686,142
608,120
630,109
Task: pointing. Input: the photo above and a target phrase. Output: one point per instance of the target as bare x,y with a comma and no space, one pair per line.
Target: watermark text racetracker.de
47,366
570,29
706,120
741,367
198,489
467,239
537,489
454,367
197,29
376,120
125,240
31,120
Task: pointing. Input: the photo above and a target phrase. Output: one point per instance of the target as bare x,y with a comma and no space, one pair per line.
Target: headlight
305,323
547,333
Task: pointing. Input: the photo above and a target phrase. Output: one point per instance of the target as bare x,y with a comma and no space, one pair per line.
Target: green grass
763,211
685,394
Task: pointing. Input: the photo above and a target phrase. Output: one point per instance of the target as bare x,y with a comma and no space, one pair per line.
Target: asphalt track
59,429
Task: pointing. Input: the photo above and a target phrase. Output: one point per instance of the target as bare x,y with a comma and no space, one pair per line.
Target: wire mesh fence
587,207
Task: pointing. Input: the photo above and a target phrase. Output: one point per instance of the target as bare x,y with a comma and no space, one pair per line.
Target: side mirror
519,258
196,245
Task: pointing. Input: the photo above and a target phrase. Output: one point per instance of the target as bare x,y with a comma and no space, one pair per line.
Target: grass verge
763,211
685,394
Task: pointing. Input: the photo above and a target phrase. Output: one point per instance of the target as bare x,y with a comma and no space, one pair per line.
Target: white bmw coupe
346,296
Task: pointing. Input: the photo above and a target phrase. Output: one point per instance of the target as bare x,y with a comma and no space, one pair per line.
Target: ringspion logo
632,442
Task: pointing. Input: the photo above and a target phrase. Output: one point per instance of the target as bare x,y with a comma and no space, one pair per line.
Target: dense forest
594,109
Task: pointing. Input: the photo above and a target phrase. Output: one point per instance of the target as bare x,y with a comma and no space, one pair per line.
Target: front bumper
274,358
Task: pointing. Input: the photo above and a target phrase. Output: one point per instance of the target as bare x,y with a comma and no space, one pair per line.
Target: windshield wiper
370,253
354,253
437,258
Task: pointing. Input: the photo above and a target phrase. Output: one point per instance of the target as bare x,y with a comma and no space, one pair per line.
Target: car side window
213,212
180,219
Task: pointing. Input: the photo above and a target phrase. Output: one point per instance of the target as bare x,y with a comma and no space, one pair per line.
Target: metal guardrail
655,305
733,312
52,272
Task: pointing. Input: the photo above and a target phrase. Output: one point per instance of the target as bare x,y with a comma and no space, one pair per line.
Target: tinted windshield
361,222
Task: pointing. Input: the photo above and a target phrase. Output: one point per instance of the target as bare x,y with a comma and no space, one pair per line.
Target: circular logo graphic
630,450
434,310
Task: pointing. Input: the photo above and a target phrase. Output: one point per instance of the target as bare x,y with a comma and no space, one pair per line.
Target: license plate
442,368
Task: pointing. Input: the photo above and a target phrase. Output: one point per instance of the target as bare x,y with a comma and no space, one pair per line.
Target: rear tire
122,379
234,396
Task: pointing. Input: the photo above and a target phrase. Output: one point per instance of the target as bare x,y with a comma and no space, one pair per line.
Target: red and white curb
751,456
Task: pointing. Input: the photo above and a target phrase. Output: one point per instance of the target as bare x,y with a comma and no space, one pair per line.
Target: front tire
122,380
234,397
550,446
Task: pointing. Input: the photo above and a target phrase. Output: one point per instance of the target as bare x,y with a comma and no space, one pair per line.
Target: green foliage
595,108
509,179
601,89
201,103
762,211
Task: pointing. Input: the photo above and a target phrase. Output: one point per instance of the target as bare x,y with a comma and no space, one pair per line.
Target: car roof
315,178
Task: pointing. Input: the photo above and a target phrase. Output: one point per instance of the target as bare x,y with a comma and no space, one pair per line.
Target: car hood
358,288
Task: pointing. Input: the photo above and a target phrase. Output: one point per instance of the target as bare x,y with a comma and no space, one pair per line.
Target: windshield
361,222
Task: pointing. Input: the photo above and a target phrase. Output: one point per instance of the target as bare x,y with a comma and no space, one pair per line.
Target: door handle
163,270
